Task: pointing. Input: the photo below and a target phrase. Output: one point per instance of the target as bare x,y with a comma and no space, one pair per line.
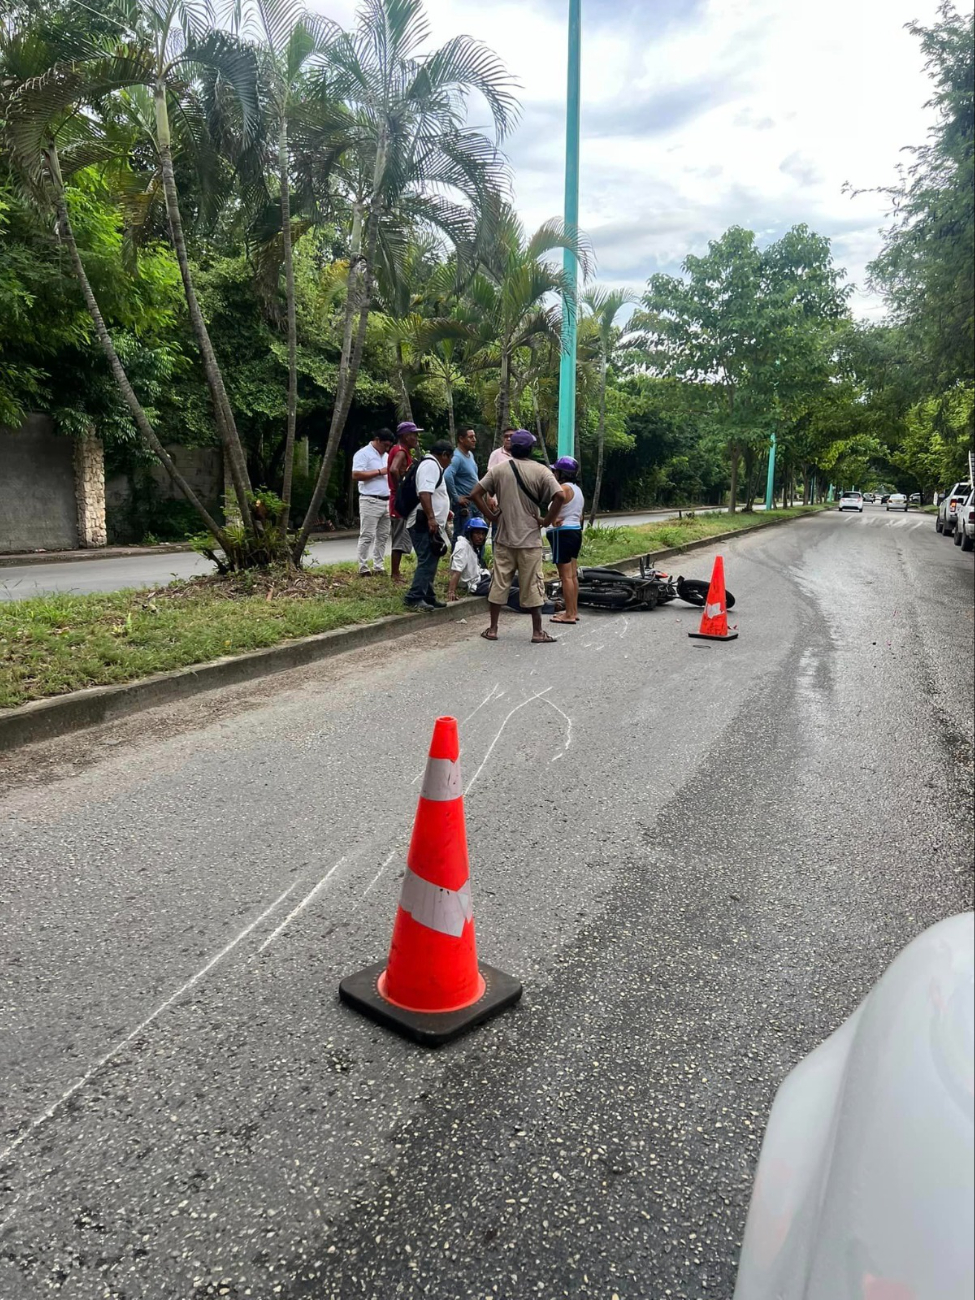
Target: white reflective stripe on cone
444,910
441,780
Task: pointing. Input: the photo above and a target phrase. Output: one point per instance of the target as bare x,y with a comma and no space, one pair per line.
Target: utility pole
567,367
770,484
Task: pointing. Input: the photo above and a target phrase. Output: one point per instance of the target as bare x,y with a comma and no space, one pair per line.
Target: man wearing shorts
400,460
529,499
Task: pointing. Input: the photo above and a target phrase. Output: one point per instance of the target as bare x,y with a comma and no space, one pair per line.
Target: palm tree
66,103
293,45
603,306
40,119
513,295
410,161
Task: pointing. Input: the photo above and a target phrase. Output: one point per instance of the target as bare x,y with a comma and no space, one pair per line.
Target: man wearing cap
528,500
465,563
400,460
428,525
369,471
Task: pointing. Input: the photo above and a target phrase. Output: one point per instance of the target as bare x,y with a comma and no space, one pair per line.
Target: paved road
17,582
698,858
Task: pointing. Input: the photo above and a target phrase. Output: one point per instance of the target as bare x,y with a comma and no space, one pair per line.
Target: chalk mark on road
34,1124
490,750
309,897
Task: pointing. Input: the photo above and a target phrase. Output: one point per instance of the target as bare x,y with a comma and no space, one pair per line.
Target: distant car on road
897,501
865,1187
959,494
965,524
852,501
885,498
914,499
870,496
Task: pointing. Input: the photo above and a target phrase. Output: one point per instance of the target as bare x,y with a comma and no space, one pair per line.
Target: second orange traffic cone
714,621
432,988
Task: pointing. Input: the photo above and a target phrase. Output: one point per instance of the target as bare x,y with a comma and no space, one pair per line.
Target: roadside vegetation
247,227
50,645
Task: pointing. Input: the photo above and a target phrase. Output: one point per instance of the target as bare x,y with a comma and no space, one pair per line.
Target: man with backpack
422,500
529,499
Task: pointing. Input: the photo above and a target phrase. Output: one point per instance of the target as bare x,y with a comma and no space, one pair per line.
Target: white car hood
865,1186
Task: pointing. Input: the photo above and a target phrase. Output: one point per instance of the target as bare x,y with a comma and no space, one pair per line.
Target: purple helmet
566,465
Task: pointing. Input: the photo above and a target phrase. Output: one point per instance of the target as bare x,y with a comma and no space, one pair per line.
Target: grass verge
50,645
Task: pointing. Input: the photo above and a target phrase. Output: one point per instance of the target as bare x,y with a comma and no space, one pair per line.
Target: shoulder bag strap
539,505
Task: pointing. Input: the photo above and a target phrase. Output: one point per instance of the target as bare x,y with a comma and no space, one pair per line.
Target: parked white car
897,501
948,508
852,501
965,524
865,1186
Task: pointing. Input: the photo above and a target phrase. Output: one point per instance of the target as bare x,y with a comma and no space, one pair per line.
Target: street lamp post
770,484
567,367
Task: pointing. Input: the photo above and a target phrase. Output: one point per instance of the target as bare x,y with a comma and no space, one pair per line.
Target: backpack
407,498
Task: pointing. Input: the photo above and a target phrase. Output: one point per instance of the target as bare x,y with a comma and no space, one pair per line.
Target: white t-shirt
427,474
465,562
368,458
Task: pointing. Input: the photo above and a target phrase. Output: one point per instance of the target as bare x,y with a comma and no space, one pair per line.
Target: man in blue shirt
460,479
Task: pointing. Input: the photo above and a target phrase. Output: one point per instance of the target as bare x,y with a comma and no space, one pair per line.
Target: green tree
604,306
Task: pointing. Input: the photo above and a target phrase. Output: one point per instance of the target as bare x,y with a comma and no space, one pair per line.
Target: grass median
51,645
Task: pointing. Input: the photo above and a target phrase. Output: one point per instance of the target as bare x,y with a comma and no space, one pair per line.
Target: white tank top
570,516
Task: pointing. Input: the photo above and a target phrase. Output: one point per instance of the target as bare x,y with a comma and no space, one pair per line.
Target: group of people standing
520,498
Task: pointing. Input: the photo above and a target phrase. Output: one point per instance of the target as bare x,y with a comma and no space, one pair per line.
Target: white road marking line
487,700
919,524
470,784
302,905
90,1073
626,627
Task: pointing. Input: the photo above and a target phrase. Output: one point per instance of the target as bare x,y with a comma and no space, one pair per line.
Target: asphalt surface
116,573
697,857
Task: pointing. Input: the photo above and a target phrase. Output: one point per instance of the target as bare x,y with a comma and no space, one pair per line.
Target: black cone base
431,1030
704,636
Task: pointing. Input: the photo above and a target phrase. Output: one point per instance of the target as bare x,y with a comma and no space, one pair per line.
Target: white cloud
701,114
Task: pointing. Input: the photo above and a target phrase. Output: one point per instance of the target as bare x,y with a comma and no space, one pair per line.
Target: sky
702,114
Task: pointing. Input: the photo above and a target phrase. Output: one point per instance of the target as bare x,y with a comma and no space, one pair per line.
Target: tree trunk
222,411
139,416
733,492
451,423
287,473
403,398
504,395
600,442
359,300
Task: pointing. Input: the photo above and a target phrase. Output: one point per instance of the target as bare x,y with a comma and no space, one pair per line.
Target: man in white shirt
465,563
369,471
428,525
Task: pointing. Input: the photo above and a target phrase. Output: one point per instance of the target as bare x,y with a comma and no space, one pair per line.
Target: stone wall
137,503
38,510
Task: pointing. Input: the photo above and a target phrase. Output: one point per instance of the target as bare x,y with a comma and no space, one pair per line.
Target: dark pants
426,564
461,516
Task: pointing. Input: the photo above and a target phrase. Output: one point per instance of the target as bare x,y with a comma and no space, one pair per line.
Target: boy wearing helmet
465,564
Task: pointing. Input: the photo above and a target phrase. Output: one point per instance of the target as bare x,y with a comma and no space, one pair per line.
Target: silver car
852,501
965,524
897,501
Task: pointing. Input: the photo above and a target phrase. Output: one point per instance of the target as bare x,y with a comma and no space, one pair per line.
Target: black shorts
566,543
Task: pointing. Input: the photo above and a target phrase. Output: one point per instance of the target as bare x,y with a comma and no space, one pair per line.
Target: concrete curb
43,719
16,560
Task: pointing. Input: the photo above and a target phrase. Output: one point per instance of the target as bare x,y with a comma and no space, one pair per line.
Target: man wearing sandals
529,499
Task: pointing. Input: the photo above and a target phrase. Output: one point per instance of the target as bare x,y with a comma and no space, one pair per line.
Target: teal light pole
567,368
770,484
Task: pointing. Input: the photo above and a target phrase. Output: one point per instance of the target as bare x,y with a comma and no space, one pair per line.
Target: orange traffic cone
432,988
714,621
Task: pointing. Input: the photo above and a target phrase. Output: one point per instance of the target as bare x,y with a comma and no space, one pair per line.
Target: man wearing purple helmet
528,500
565,536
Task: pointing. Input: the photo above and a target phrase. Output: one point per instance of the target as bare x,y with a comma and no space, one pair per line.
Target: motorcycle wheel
695,592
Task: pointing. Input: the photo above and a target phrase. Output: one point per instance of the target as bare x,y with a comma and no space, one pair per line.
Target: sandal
544,639
556,619
488,635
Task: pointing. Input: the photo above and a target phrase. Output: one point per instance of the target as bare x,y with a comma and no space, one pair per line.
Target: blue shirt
461,475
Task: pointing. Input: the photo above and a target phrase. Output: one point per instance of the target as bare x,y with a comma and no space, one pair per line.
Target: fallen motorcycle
606,588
